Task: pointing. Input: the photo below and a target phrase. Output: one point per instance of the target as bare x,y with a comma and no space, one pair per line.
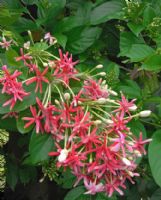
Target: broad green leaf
135,28
11,173
131,89
80,39
75,193
149,14
11,54
103,196
127,39
139,52
155,156
27,174
106,11
11,121
61,38
152,63
136,127
156,195
39,147
67,179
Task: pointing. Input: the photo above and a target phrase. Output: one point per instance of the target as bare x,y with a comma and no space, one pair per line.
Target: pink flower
139,144
5,44
39,78
92,187
93,89
36,119
12,87
23,56
64,68
50,38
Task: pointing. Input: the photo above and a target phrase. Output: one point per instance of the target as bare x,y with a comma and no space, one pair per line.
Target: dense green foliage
124,36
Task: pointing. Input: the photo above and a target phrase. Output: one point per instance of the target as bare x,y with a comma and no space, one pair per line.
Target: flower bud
97,122
145,113
112,92
109,121
99,66
45,64
102,73
126,161
67,96
57,102
101,100
133,108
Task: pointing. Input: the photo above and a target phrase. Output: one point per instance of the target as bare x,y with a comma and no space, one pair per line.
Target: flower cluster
88,122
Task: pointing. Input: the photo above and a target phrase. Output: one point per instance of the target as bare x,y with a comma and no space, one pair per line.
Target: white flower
63,155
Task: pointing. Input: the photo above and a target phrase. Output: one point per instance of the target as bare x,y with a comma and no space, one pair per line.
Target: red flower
12,87
23,56
64,68
39,78
93,90
36,119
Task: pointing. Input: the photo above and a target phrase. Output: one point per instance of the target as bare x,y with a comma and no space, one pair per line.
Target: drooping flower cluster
88,123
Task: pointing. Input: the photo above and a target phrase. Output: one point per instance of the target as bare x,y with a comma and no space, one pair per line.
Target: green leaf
135,28
11,121
75,193
127,39
156,195
139,52
27,174
67,179
131,89
39,147
80,39
136,127
62,39
11,54
106,11
154,156
103,196
152,63
149,14
11,174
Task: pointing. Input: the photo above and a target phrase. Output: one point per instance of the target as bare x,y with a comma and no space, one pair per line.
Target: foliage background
124,36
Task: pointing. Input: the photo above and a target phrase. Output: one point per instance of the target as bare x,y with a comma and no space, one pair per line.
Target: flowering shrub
87,120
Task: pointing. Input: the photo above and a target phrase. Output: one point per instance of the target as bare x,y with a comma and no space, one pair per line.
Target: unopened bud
45,64
112,92
126,161
67,96
133,108
145,113
99,66
109,121
102,73
130,173
57,102
137,153
101,100
97,122
103,82
27,45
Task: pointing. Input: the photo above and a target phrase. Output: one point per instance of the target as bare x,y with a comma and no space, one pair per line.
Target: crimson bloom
12,87
23,56
36,119
39,78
